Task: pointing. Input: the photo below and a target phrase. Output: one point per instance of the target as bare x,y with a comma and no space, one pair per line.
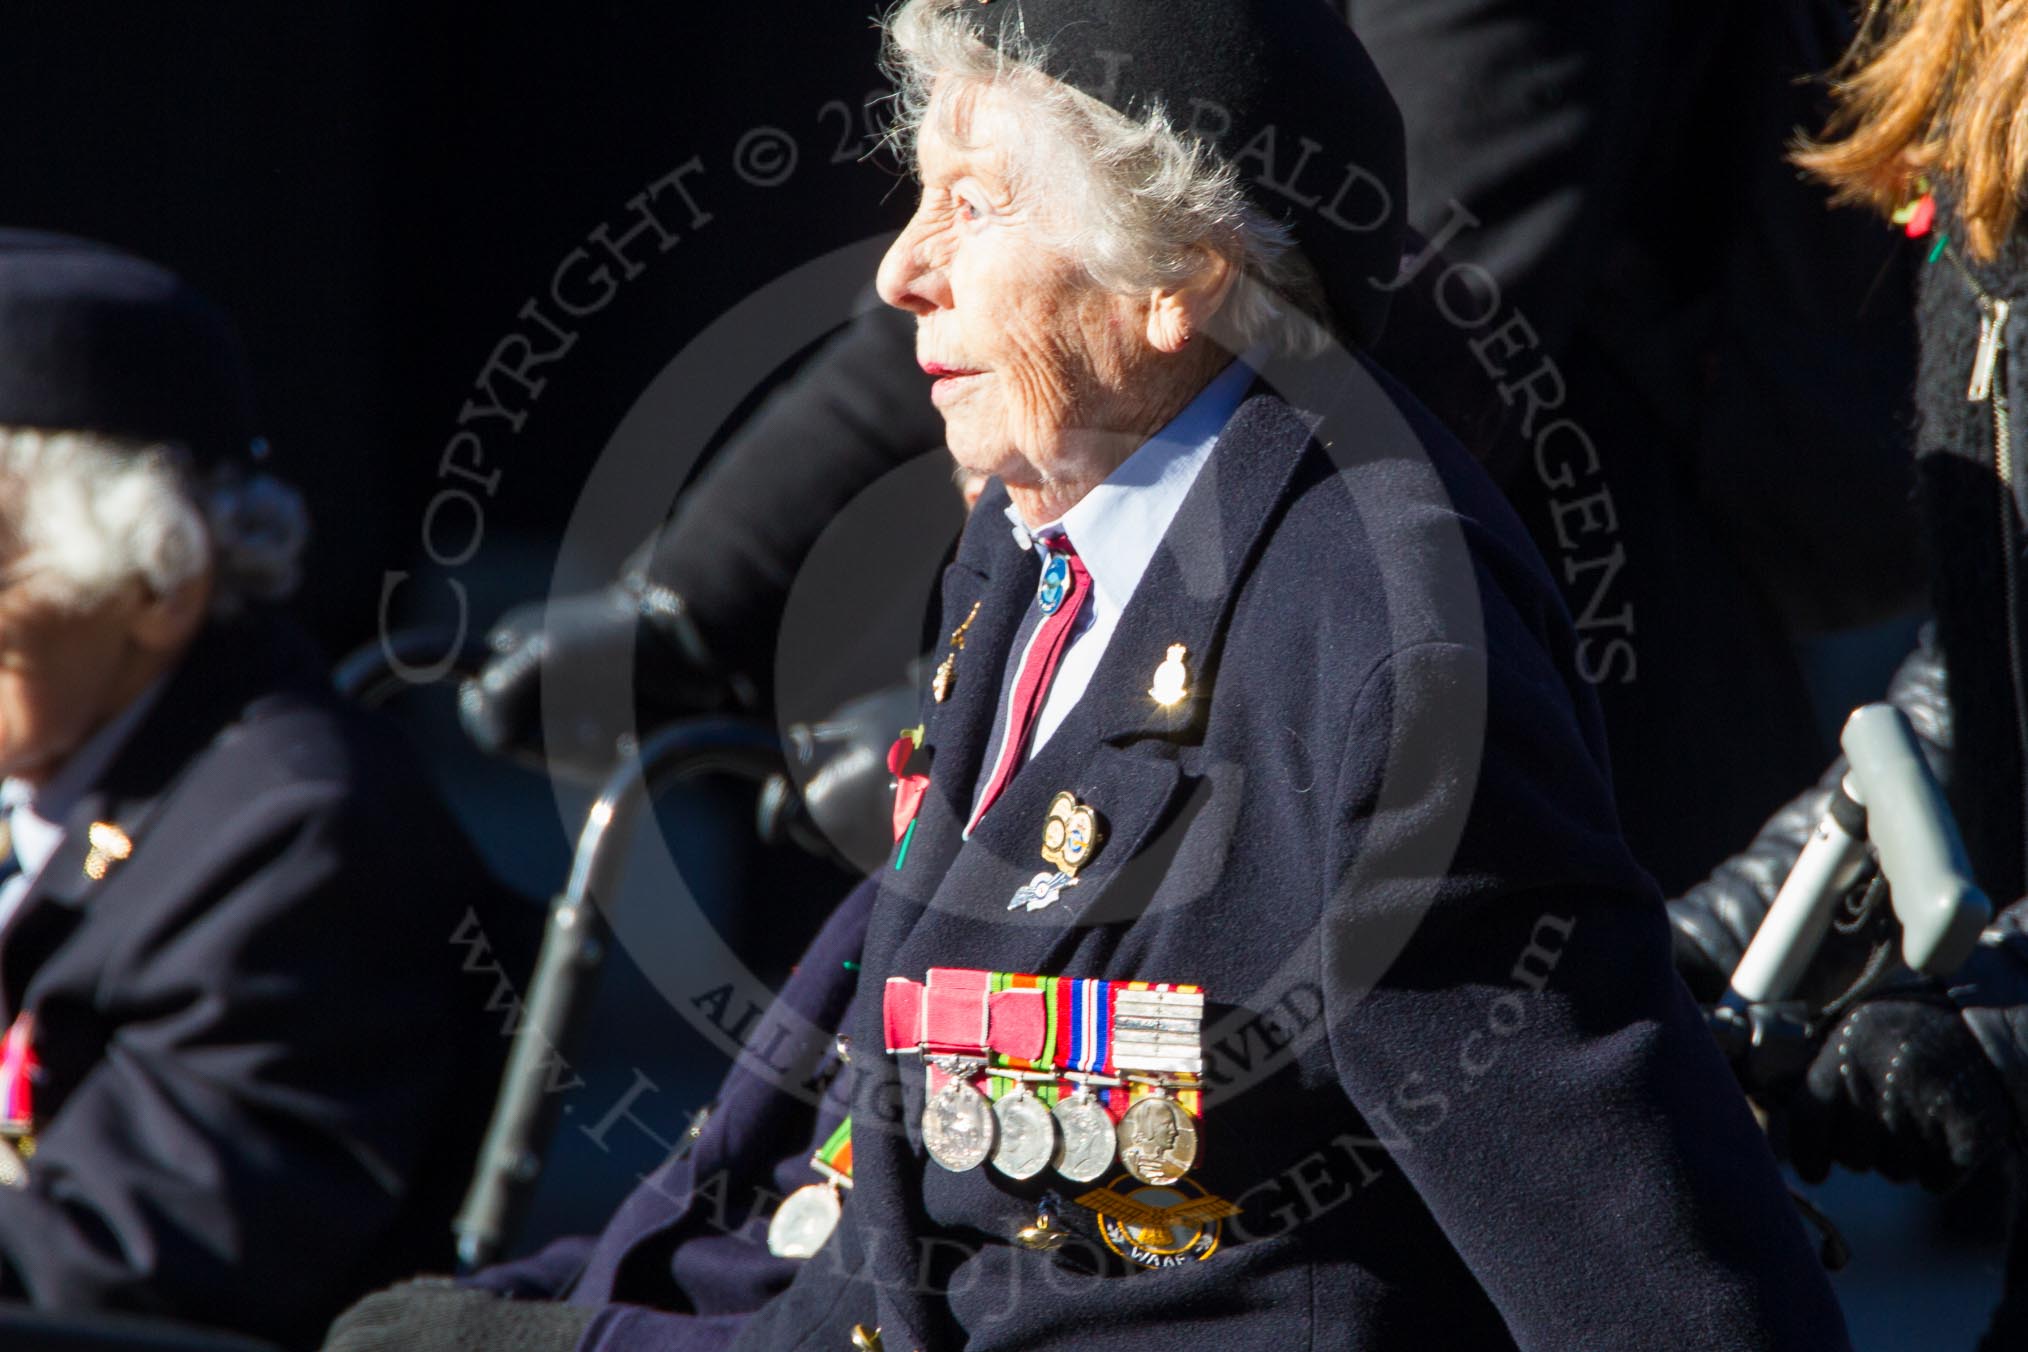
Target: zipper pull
1992,334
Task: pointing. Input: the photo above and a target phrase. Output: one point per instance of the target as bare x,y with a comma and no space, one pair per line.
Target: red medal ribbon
956,1012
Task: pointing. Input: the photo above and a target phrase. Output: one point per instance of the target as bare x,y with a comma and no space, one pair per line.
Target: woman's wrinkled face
61,673
1030,355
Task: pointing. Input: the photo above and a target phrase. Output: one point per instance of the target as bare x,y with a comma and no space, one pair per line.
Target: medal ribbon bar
1014,1048
960,1012
1087,1028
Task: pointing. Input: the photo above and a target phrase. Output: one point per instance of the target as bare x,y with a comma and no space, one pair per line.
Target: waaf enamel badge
1159,1227
1071,835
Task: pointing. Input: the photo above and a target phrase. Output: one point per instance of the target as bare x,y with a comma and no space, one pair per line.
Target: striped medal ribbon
808,1216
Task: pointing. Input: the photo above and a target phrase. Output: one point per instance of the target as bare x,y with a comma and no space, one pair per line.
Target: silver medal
803,1221
1027,1134
1158,1141
1086,1139
957,1126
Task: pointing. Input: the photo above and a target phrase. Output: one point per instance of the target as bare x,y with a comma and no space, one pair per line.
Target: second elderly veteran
1336,1014
226,900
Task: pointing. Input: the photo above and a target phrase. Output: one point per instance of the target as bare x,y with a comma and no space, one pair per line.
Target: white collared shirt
35,813
1117,527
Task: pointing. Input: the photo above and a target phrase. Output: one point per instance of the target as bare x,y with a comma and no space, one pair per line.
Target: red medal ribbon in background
19,1070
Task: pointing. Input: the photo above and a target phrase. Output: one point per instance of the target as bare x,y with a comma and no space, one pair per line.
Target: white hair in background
92,513
1144,197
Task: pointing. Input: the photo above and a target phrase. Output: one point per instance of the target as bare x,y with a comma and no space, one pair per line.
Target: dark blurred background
375,190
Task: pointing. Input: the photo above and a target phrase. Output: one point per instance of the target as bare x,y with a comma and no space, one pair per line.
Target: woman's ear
1179,313
167,623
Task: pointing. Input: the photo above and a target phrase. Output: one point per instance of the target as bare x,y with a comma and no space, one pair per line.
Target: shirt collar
1119,524
36,813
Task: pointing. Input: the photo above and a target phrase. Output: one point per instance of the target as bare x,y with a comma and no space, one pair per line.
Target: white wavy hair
84,515
1145,197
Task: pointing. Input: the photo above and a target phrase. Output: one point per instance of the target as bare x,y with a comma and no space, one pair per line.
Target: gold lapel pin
1071,834
109,845
1171,680
947,670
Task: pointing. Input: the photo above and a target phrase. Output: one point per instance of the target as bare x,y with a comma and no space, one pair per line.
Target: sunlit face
62,673
1032,357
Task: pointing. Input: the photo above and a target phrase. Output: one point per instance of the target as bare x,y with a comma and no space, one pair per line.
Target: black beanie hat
96,340
1281,88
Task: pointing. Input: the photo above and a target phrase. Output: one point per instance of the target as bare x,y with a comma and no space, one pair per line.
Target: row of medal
1077,1072
1156,1140
1021,1133
1117,1065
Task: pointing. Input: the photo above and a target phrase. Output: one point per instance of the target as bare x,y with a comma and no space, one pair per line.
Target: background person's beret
96,340
1280,87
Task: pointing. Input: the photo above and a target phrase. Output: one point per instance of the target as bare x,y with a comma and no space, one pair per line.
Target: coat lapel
223,671
1119,750
994,574
1186,596
55,905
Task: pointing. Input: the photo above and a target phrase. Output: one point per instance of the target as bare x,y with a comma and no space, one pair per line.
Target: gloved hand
1901,1087
571,649
1711,925
433,1315
1713,922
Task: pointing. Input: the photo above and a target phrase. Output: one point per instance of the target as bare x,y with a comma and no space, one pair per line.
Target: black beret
96,340
1281,88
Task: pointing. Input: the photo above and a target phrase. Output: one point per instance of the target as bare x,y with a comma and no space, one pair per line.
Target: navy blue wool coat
263,1061
1455,1087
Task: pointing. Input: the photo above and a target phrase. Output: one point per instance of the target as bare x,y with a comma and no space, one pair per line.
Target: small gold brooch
109,845
947,670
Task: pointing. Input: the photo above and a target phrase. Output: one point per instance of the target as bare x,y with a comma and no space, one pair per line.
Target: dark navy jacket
1456,1088
258,1045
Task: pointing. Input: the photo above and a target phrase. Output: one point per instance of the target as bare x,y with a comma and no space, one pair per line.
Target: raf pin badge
1171,685
109,845
1071,835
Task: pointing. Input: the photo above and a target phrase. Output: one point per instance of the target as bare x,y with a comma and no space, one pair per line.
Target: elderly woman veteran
1337,1014
225,899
